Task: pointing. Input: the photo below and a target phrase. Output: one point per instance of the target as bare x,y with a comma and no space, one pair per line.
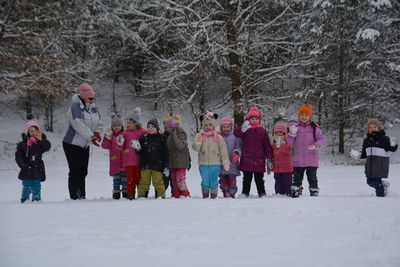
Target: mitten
96,139
198,138
226,166
355,154
393,141
245,126
31,140
312,147
166,172
270,166
135,145
108,134
235,158
120,140
293,131
279,140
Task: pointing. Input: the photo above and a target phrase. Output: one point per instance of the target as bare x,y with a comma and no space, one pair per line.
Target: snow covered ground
345,226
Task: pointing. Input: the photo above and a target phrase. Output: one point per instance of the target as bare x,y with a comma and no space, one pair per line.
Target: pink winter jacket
303,157
129,156
115,154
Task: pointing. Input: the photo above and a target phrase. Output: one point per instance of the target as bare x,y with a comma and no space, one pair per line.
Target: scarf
205,135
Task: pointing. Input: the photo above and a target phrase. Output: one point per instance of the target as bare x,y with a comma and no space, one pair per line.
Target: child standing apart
212,154
227,179
255,152
307,138
154,160
112,141
29,158
376,149
130,159
178,155
282,160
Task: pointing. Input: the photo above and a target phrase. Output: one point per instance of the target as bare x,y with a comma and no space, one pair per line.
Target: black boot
116,194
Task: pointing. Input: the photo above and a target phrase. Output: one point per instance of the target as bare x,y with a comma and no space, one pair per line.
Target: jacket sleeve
238,132
319,137
75,118
106,144
196,145
363,150
238,146
387,145
44,145
165,153
223,150
267,146
180,140
20,156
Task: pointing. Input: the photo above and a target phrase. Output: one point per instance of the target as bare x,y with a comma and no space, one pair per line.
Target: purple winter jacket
303,157
234,145
256,149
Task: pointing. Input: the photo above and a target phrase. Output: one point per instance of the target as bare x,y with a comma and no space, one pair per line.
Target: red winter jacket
282,158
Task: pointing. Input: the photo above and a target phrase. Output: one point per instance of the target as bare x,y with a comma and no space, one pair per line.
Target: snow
345,226
380,3
367,34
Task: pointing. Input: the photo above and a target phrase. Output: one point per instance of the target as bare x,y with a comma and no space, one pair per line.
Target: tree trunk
341,100
234,62
28,105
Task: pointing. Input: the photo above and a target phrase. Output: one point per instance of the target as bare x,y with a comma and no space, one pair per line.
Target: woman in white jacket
83,128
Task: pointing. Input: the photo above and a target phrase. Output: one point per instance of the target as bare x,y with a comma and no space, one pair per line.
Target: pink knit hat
31,123
227,121
254,112
86,91
280,127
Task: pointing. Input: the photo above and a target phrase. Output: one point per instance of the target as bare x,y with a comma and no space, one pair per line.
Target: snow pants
150,176
119,182
377,184
31,186
283,183
311,177
227,183
258,178
132,180
78,160
179,187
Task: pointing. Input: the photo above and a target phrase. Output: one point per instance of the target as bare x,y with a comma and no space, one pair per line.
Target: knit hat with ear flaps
32,123
116,120
280,127
208,117
86,91
136,115
306,109
227,121
155,122
254,112
376,122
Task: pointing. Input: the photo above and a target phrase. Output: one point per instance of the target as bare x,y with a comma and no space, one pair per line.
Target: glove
312,147
355,154
198,138
226,166
96,139
293,130
270,166
393,141
279,140
31,140
166,172
245,126
135,145
235,158
120,140
108,134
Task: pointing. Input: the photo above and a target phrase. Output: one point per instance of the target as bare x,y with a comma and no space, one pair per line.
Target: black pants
78,160
311,176
258,178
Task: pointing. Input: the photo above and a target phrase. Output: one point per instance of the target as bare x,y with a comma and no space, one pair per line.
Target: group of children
139,157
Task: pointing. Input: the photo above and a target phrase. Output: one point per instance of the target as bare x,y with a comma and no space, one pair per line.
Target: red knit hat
86,91
306,109
254,112
280,127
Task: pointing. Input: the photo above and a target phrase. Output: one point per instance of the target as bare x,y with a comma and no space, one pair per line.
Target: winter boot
23,200
116,194
124,194
385,185
131,196
226,193
314,192
295,191
214,193
206,193
300,190
262,195
185,193
244,195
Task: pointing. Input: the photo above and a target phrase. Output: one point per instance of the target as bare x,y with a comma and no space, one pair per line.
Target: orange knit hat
307,109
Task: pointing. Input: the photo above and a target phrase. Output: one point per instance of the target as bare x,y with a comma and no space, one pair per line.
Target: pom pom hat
254,112
306,109
31,123
280,127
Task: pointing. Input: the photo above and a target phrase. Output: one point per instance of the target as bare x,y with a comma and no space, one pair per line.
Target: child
29,158
255,152
178,154
307,138
376,149
227,179
212,154
282,160
154,160
130,159
112,141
